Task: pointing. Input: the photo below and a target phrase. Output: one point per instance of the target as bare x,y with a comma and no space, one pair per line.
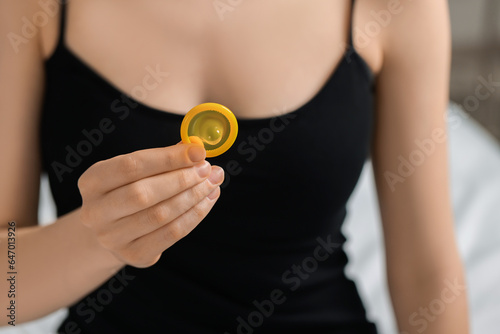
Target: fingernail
196,153
203,169
214,194
196,140
217,175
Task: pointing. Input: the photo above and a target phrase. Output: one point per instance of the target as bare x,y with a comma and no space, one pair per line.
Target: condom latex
211,124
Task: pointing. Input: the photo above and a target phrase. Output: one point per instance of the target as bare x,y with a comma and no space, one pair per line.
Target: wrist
104,257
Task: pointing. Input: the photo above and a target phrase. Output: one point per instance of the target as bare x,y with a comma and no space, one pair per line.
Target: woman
104,85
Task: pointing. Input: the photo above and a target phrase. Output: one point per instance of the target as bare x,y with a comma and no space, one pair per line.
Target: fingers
147,192
110,174
152,218
140,204
196,140
154,243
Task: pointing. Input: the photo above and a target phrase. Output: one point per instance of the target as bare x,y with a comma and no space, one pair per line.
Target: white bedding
475,177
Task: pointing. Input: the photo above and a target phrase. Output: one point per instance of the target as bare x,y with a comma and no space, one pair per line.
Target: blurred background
476,53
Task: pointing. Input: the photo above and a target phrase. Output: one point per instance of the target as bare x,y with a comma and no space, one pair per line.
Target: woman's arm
410,158
21,76
58,263
128,216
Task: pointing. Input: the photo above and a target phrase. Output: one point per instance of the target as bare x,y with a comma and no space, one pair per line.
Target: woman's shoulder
25,23
388,30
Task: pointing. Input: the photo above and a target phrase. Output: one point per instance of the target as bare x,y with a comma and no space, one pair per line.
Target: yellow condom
214,124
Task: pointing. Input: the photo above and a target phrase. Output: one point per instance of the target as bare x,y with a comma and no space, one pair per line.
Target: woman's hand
140,204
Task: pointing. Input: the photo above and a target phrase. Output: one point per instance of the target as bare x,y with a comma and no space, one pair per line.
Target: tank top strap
351,19
62,22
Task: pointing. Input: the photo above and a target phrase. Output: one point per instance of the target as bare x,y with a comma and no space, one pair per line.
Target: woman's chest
259,58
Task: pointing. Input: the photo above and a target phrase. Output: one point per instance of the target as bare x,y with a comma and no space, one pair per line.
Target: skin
290,41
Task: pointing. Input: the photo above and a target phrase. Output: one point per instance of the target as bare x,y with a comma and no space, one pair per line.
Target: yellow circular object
214,124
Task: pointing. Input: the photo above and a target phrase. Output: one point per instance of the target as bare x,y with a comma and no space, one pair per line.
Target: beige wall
476,52
473,20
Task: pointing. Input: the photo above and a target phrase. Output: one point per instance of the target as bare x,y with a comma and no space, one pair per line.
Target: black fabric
282,205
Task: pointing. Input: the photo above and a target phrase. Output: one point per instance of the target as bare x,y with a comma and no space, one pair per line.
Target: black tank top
268,258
